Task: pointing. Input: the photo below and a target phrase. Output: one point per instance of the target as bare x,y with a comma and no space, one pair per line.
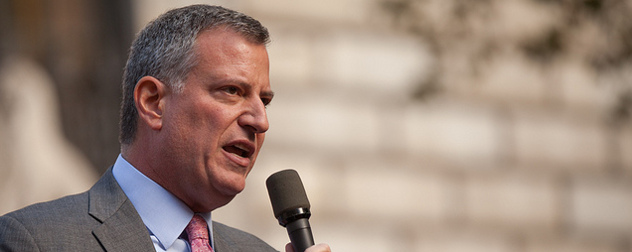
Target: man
193,120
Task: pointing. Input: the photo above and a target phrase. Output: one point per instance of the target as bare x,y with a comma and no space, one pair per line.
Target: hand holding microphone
291,208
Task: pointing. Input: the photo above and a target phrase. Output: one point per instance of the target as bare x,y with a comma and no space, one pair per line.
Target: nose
255,118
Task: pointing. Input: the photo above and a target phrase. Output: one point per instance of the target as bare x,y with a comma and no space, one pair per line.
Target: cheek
201,121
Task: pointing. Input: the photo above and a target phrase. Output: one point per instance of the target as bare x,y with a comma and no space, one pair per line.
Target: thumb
322,247
289,248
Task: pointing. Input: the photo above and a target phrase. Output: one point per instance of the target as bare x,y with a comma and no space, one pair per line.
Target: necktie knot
197,230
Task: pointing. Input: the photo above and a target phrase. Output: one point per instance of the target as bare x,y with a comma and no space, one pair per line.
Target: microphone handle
300,233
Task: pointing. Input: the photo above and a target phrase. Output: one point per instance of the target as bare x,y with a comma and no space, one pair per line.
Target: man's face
214,128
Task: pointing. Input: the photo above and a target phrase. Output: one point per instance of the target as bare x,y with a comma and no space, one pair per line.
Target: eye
231,90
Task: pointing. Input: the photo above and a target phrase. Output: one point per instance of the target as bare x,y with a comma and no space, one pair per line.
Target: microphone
291,207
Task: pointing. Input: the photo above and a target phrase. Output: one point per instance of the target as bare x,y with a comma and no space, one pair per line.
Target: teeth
242,148
239,150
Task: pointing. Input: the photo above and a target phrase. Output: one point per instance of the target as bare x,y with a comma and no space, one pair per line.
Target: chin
231,185
232,190
213,202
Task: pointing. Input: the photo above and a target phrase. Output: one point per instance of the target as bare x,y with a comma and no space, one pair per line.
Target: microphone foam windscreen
286,192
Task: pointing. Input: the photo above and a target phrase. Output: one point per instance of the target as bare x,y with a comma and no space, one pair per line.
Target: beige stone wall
424,126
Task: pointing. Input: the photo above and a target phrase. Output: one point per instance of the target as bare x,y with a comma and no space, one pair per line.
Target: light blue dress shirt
164,215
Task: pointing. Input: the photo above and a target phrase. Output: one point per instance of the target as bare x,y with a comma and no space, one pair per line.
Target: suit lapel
122,228
221,244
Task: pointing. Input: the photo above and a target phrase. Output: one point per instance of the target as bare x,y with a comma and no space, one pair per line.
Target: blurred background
416,125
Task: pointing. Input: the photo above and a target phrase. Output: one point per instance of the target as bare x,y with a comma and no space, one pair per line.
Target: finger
322,247
289,248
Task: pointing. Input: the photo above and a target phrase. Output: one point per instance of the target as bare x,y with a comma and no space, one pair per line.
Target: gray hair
164,50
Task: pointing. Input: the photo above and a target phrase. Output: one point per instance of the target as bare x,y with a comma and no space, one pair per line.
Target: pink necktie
197,230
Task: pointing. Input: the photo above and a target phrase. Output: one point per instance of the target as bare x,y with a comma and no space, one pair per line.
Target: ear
149,96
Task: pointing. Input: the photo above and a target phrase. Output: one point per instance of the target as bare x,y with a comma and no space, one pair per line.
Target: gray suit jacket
101,219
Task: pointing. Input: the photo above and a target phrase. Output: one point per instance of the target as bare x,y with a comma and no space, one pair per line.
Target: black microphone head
286,192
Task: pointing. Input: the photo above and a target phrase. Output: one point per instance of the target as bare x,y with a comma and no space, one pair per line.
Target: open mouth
238,150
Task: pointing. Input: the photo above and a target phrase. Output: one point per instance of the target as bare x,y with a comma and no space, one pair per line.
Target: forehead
222,40
223,53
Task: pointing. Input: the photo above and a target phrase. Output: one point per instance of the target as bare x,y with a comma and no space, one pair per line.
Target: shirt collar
162,213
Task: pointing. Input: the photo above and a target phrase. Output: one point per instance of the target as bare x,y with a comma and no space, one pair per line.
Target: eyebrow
246,86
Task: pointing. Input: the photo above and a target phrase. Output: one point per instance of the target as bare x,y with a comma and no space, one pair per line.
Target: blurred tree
598,33
83,45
